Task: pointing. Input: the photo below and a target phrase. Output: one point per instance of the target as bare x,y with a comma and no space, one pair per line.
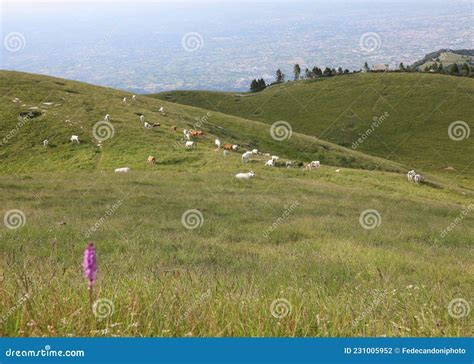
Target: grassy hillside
330,252
420,109
69,108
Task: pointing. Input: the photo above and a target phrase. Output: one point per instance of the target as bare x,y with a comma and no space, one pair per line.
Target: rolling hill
186,250
416,111
64,108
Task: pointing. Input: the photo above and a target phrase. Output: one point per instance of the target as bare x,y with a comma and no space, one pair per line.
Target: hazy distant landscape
162,46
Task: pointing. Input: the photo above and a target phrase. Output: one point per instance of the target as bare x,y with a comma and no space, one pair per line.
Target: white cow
75,138
190,145
134,97
418,178
45,142
315,164
235,147
142,118
122,170
411,174
147,126
124,99
275,158
288,164
217,142
254,151
245,175
246,157
162,110
270,163
107,118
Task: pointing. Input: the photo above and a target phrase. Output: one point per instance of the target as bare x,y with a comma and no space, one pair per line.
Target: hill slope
68,108
184,249
418,110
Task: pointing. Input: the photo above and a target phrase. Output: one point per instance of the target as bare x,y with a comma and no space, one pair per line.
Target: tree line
316,72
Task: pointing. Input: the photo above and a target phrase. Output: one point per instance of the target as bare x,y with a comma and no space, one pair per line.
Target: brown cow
151,159
174,128
196,133
227,146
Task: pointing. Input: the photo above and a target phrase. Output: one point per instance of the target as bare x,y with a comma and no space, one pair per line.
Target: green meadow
186,250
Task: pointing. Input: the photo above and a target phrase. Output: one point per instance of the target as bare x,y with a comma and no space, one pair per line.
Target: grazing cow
315,164
151,159
190,145
244,176
134,97
288,164
124,99
235,147
147,126
75,138
174,128
217,142
227,146
162,110
275,158
270,163
45,142
107,118
142,118
410,175
418,178
338,170
246,157
196,133
156,124
122,170
254,151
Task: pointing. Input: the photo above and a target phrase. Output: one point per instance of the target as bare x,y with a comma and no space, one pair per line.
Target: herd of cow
227,147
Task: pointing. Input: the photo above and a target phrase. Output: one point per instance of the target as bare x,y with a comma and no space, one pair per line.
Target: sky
162,45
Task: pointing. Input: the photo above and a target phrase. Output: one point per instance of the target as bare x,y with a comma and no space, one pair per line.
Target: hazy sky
142,45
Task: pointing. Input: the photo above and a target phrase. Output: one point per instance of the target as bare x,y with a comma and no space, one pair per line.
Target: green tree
297,71
254,86
366,67
327,72
401,67
340,71
465,69
454,70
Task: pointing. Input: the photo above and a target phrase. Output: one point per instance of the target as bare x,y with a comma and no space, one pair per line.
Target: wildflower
89,265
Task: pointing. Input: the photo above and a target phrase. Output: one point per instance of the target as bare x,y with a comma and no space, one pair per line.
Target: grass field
418,109
359,252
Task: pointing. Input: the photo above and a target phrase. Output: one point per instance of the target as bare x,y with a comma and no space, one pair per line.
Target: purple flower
89,265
